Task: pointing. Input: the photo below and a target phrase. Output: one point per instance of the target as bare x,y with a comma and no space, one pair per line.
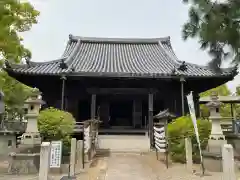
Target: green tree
217,26
225,109
15,94
15,17
181,128
55,124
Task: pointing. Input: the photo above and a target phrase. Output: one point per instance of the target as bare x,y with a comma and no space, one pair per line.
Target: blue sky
110,18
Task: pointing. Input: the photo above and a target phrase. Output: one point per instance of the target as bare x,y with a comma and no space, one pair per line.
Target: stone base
215,146
212,162
212,157
28,149
21,163
25,160
64,169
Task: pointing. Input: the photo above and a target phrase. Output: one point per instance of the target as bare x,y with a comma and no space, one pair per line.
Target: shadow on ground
103,153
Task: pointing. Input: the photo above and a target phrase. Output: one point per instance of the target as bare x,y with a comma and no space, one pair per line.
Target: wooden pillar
63,78
104,113
150,118
232,110
137,113
196,104
93,106
182,80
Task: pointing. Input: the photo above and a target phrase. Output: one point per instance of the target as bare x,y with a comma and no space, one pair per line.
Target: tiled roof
115,57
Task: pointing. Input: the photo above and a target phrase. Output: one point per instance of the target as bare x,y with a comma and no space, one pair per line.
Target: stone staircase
124,143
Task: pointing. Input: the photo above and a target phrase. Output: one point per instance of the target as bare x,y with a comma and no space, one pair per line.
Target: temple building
124,82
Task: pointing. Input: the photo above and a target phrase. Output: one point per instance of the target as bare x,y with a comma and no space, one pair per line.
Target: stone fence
227,160
83,151
78,159
81,154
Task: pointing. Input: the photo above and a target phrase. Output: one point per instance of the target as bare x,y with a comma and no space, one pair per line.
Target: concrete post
188,149
80,154
228,162
73,156
44,160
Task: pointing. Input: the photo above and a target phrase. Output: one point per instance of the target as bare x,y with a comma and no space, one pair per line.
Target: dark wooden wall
166,92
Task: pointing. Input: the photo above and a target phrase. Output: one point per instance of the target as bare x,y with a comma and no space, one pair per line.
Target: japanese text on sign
56,154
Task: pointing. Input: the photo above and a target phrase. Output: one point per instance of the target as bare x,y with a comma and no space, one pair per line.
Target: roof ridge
205,67
174,59
49,62
73,53
189,63
118,40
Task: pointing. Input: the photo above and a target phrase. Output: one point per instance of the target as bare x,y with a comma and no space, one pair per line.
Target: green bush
55,124
183,127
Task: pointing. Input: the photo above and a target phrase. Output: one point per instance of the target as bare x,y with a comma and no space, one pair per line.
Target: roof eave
122,75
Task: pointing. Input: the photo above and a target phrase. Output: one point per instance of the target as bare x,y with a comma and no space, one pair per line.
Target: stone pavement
132,166
128,167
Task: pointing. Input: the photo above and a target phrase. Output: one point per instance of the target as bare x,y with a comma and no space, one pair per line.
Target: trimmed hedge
55,124
183,127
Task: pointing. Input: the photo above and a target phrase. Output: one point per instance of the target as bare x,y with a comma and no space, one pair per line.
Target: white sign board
56,154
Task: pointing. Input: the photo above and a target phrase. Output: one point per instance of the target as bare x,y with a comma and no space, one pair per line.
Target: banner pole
166,139
194,121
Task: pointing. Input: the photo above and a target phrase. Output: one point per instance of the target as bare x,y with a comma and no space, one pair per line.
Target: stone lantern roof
164,115
35,97
214,100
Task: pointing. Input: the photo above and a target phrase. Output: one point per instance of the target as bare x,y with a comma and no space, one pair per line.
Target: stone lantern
215,117
26,156
163,117
212,155
32,135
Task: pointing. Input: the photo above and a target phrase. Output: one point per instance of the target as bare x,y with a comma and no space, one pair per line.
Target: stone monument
213,154
26,158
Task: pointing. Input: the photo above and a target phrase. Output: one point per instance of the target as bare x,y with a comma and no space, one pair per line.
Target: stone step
134,137
124,143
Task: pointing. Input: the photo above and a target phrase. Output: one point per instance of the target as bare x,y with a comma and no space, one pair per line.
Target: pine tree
217,26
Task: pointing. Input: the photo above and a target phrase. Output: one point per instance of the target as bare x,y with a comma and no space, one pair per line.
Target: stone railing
79,127
223,163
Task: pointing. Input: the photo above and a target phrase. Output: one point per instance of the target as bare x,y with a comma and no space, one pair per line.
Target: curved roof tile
118,58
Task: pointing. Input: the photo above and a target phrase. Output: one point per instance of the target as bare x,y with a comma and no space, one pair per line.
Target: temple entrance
121,113
84,110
